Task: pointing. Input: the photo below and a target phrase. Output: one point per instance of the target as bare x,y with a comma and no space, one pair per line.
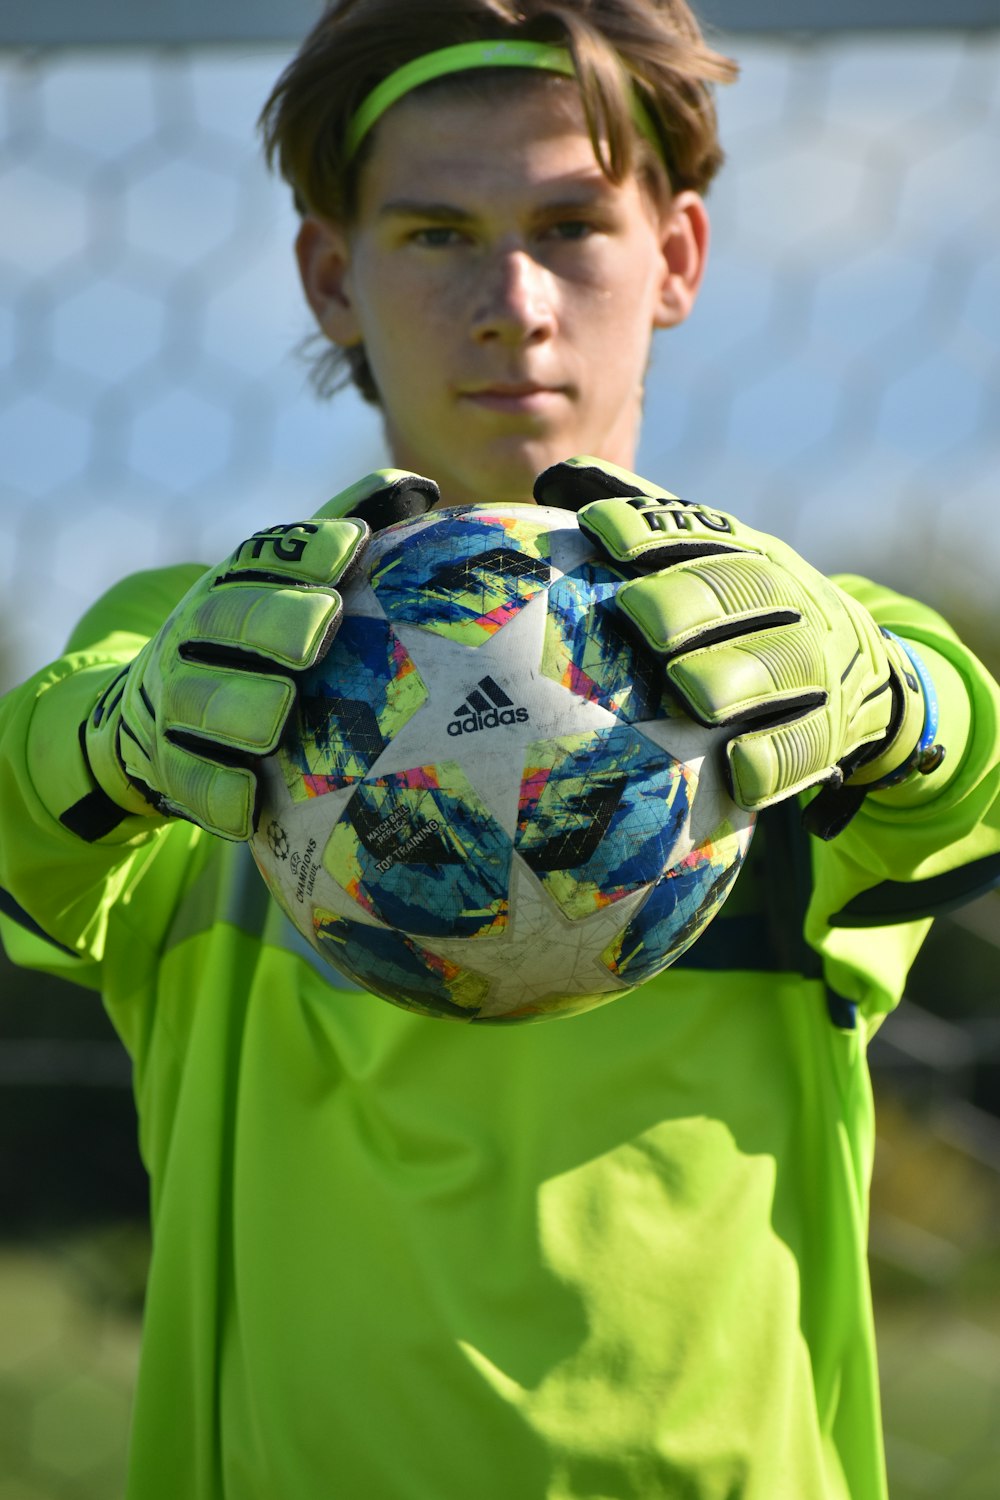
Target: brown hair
654,46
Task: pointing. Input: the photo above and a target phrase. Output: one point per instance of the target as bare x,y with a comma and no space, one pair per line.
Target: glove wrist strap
100,738
927,754
834,806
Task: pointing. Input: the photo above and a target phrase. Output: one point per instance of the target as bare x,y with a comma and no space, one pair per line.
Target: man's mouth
511,395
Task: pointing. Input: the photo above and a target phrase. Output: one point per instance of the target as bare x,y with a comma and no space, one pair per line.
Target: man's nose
517,303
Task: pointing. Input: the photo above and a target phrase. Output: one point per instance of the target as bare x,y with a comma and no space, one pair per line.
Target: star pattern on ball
451,672
537,926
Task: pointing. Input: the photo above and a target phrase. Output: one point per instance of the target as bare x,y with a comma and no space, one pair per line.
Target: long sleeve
59,890
908,856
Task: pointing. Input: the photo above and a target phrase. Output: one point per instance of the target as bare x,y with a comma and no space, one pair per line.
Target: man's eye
436,235
572,229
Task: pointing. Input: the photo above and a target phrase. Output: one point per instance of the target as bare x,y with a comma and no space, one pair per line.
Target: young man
395,1258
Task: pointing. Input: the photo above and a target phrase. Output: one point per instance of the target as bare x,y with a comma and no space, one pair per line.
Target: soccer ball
486,806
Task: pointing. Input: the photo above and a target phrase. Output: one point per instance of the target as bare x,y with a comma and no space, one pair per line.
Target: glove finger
576,481
708,599
656,533
221,799
626,532
772,673
306,552
220,706
383,498
767,765
289,626
781,760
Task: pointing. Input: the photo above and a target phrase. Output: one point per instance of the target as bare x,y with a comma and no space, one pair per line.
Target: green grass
935,1241
68,1356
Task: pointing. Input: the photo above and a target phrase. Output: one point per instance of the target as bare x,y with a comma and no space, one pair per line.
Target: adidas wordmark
486,707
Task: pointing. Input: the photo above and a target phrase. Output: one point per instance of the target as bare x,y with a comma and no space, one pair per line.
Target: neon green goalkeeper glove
179,732
756,638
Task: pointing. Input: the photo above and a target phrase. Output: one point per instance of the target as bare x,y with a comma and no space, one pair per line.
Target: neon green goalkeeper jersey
404,1259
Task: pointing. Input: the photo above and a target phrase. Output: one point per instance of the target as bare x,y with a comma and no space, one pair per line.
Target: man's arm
919,849
57,886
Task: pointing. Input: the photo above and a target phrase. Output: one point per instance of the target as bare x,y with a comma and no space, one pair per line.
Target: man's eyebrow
589,194
414,208
586,197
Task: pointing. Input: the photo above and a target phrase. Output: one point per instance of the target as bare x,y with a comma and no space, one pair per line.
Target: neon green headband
463,59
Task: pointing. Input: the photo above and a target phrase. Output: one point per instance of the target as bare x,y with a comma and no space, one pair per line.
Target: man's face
504,290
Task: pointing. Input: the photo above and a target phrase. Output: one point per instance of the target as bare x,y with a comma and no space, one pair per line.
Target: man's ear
323,254
684,239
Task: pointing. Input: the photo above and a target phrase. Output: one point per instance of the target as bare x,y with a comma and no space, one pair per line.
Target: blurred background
838,384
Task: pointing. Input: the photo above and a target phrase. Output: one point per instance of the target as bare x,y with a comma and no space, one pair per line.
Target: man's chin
503,478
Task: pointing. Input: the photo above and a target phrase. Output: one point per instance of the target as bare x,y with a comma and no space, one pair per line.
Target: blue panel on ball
465,576
420,850
588,650
678,908
350,706
599,815
391,965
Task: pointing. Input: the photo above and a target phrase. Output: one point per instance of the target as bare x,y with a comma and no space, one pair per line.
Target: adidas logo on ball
486,707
